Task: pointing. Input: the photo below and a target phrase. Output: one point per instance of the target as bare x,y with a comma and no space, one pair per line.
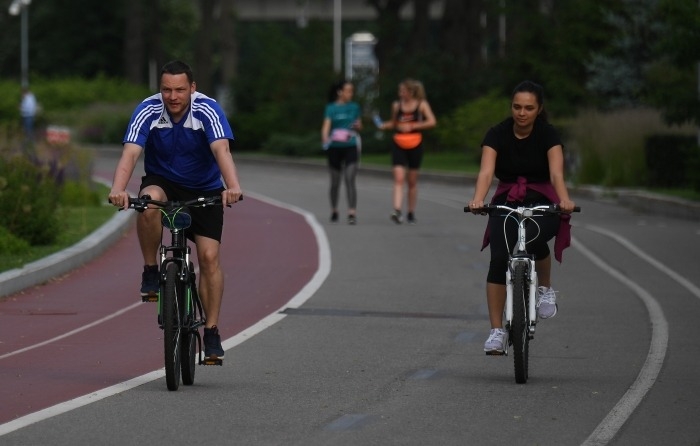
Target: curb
62,262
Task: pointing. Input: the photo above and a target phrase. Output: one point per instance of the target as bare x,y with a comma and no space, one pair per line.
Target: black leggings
543,229
343,160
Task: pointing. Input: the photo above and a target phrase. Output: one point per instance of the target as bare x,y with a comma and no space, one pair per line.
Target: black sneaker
150,281
411,218
212,343
334,217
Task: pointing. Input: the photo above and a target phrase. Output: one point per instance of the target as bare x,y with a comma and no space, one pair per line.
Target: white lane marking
616,418
72,332
324,268
655,263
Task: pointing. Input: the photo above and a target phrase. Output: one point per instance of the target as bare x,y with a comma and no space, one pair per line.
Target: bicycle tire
188,344
171,326
519,326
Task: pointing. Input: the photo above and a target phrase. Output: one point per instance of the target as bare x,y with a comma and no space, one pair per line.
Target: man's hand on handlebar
119,199
230,196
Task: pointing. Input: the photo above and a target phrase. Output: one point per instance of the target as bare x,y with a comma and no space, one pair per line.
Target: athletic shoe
496,343
212,343
396,217
334,217
411,218
150,281
546,302
352,220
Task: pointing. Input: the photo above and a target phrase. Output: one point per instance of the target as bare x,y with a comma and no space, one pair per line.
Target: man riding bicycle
185,137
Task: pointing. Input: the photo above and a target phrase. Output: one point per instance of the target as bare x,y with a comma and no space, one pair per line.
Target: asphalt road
387,349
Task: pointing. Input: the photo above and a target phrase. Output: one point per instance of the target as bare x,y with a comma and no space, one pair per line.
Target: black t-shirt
522,157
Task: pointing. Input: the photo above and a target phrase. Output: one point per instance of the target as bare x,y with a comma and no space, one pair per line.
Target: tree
672,78
616,73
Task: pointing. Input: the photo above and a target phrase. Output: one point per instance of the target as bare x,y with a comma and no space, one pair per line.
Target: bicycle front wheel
188,349
171,325
519,326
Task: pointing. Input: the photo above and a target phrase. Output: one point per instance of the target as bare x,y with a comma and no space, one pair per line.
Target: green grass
440,161
76,224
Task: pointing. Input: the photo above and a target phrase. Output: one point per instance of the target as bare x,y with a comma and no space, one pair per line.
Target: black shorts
207,221
413,158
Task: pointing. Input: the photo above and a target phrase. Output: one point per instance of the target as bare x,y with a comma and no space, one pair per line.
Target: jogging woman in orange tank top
410,116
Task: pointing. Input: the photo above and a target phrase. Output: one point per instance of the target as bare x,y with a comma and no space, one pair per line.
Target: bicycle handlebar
545,208
141,203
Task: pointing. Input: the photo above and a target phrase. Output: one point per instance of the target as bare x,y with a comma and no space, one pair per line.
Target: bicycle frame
180,311
521,282
179,253
519,255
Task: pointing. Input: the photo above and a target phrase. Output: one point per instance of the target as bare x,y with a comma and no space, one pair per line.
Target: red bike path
268,254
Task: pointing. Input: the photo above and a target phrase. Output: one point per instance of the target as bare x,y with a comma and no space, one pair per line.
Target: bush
672,161
79,194
609,148
102,123
11,244
284,144
28,200
96,110
466,126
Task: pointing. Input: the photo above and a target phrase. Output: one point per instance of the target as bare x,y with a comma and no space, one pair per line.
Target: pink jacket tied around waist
516,192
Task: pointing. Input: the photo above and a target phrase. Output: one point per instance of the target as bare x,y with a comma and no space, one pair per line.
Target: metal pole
337,24
25,45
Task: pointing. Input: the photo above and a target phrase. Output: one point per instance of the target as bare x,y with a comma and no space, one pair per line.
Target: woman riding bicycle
525,153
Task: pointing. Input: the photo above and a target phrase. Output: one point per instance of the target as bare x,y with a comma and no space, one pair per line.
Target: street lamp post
20,7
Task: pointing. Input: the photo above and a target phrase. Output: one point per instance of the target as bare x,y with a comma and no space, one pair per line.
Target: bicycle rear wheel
519,326
172,326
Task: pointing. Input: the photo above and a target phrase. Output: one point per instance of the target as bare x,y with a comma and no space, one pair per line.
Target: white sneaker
546,302
495,344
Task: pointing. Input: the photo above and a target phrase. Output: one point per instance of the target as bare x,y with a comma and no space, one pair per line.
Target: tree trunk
462,31
229,55
205,41
134,54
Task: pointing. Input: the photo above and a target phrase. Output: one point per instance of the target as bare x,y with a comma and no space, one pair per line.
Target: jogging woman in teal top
339,137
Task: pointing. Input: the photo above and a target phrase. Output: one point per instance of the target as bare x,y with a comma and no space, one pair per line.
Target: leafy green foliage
616,73
609,148
287,89
466,126
308,145
10,244
671,79
28,200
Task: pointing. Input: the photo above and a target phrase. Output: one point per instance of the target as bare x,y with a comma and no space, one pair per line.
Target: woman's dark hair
335,88
534,88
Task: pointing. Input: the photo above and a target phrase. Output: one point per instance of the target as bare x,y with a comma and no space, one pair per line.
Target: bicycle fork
531,283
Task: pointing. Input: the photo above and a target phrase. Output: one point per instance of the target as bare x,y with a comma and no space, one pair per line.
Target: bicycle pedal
150,298
495,353
212,361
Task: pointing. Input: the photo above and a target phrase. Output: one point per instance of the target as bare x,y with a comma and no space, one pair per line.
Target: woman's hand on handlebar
567,206
476,204
119,199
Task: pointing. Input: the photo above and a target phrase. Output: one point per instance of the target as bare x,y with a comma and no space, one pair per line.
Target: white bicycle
521,282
